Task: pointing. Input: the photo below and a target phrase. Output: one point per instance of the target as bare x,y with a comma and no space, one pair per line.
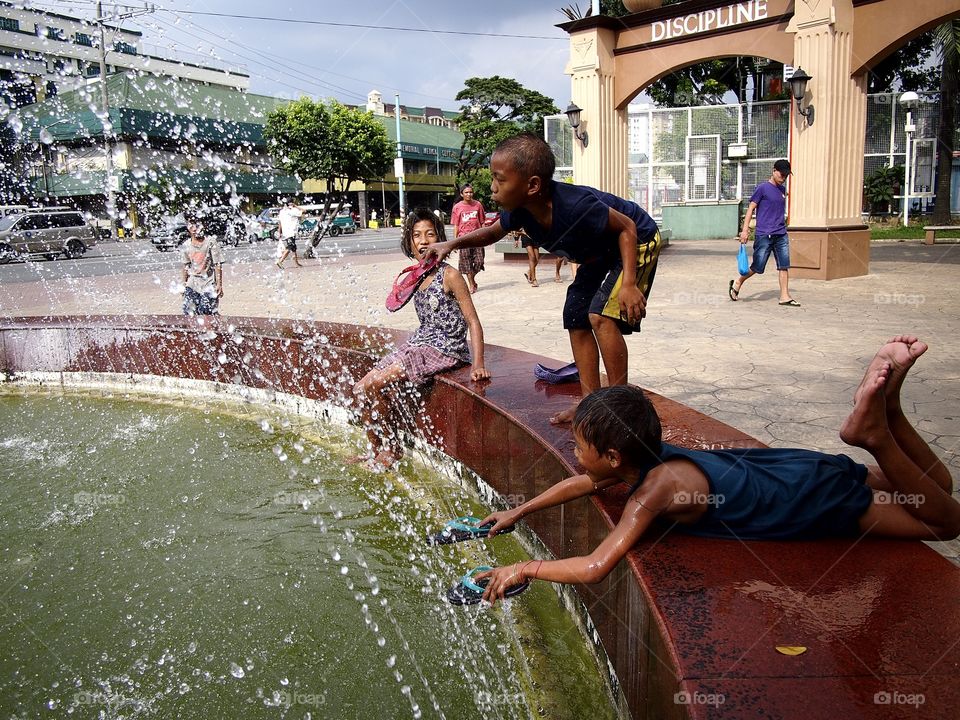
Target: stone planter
641,5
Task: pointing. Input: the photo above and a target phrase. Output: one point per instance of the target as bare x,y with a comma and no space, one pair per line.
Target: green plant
880,187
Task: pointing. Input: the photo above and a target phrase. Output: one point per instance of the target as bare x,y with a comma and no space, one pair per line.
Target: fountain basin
690,626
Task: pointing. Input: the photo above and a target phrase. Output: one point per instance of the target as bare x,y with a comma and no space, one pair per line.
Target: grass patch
896,232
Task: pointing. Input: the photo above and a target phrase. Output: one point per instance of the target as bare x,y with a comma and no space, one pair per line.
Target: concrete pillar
828,237
603,163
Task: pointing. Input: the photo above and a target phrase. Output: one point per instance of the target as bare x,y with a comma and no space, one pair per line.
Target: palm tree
948,40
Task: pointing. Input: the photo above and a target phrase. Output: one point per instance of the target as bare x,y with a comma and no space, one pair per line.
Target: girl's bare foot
384,460
867,426
564,416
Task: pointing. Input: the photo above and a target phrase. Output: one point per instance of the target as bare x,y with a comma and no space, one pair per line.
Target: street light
573,117
798,88
909,100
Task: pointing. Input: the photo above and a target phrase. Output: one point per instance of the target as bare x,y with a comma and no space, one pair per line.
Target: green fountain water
159,559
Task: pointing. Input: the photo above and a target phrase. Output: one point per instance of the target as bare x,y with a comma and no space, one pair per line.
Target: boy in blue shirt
615,242
748,493
770,203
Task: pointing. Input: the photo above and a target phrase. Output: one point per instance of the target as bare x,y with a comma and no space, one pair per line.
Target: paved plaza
784,375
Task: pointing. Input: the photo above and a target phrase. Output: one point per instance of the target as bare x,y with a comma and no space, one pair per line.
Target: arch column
603,163
828,237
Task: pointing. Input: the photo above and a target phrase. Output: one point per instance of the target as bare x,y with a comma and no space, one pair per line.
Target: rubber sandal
567,373
468,592
408,282
734,294
462,529
789,303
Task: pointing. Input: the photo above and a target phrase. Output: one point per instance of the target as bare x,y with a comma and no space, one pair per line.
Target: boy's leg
919,507
613,348
901,352
586,355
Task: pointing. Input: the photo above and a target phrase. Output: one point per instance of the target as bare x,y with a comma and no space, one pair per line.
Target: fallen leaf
791,649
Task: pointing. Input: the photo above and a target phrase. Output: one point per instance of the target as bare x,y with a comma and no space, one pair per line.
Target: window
84,39
66,220
124,47
55,33
9,24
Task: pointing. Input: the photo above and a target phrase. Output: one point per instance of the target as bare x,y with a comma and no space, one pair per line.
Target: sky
290,59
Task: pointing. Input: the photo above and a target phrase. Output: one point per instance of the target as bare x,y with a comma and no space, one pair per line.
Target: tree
948,41
329,142
495,108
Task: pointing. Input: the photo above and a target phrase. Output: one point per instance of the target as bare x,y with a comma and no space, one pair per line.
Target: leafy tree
328,141
494,109
948,41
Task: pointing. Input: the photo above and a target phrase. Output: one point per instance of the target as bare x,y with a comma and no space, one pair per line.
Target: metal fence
690,154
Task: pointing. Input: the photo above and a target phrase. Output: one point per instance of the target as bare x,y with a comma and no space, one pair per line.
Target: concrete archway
835,41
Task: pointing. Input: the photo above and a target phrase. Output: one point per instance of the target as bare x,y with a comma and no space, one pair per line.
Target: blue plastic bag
743,264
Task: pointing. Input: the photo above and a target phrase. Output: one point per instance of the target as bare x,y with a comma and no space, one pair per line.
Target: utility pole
110,191
398,163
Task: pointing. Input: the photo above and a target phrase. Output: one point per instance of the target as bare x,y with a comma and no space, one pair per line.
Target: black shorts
291,243
596,287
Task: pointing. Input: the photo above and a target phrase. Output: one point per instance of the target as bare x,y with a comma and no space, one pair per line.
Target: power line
300,21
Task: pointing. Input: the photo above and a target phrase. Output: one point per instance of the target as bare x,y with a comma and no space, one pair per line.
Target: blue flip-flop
461,529
468,592
555,376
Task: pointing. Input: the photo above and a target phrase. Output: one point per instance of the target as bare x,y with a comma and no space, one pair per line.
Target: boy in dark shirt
616,243
748,493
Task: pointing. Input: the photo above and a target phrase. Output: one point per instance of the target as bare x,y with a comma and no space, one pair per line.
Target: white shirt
289,218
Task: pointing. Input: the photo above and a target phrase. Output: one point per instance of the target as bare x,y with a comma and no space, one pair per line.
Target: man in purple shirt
769,201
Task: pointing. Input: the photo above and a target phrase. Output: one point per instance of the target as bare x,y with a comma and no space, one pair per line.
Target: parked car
44,233
225,223
171,232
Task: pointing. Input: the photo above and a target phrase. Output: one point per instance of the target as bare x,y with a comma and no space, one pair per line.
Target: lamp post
908,100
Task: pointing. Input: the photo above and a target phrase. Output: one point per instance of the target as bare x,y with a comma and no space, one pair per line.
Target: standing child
468,215
770,203
202,259
616,243
446,312
754,493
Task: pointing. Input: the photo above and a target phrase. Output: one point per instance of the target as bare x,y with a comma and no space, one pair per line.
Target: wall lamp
573,116
798,86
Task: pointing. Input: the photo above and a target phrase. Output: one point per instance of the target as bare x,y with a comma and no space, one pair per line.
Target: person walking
769,201
468,215
289,219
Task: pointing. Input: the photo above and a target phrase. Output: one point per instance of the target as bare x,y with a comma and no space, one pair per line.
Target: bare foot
900,353
384,460
564,416
867,426
557,279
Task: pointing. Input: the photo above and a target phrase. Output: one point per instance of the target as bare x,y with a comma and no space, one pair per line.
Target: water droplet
236,670
284,682
46,137
391,661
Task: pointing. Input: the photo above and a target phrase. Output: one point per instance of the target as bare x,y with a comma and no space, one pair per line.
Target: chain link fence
690,154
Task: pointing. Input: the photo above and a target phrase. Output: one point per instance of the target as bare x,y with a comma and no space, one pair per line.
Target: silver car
46,233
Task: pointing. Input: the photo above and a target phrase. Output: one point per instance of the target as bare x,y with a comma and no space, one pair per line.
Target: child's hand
479,373
500,520
633,305
501,579
440,249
